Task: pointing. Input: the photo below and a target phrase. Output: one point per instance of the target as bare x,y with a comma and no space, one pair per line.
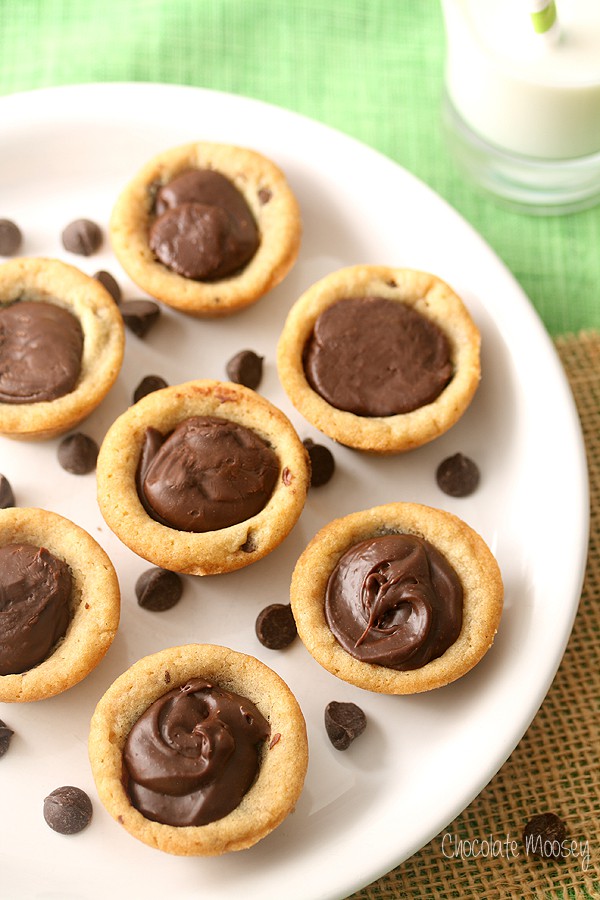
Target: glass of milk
522,99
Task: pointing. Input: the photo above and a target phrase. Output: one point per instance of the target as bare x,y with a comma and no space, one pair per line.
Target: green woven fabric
372,68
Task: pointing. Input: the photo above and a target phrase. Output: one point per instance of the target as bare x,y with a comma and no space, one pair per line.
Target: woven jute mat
556,766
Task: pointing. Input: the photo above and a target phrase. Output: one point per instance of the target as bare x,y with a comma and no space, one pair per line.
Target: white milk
518,91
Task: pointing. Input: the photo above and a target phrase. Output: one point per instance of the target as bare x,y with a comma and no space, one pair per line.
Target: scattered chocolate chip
321,461
344,722
78,453
82,237
10,237
110,283
544,836
246,368
275,626
158,589
140,315
68,810
7,498
457,475
6,734
148,385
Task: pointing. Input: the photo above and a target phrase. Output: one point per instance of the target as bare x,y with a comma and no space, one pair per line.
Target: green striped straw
543,18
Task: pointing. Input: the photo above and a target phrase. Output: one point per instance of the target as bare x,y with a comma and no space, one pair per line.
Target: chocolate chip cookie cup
380,359
61,604
397,599
207,228
202,478
235,764
61,347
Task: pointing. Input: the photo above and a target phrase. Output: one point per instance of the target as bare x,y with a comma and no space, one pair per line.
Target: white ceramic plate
64,154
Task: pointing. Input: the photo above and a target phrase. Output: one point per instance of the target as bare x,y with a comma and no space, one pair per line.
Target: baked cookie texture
95,603
211,552
427,295
270,199
283,757
462,547
52,281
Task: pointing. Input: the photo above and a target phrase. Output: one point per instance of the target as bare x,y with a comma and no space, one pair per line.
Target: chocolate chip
544,836
158,589
82,237
140,315
344,722
10,237
78,453
110,283
246,368
148,385
68,810
264,195
457,475
7,498
6,734
321,461
275,626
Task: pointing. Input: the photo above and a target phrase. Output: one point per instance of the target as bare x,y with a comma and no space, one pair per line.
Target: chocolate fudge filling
204,229
35,595
375,357
194,754
209,473
41,345
394,601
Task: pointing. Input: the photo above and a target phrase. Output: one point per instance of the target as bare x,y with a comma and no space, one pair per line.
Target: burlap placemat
556,766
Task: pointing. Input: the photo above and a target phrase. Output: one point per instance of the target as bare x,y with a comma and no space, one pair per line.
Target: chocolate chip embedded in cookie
380,359
59,604
397,599
226,765
202,478
61,347
207,228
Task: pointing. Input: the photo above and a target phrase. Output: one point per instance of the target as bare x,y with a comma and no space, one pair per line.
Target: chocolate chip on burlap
344,722
158,589
7,497
10,237
246,368
275,626
322,463
78,453
544,836
6,734
147,385
140,315
82,236
458,475
68,810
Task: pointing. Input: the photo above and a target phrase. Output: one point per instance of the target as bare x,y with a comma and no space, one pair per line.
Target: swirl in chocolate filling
35,597
209,473
395,601
372,356
41,346
204,229
194,754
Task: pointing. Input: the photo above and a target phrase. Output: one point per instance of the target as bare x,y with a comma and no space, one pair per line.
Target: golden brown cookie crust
266,192
429,296
466,552
211,552
95,603
56,282
283,760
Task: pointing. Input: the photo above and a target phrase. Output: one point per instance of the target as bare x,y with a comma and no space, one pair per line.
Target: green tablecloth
372,68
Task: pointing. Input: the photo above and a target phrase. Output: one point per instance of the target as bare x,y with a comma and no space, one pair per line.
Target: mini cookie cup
463,548
52,281
270,199
427,295
283,759
211,552
95,603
